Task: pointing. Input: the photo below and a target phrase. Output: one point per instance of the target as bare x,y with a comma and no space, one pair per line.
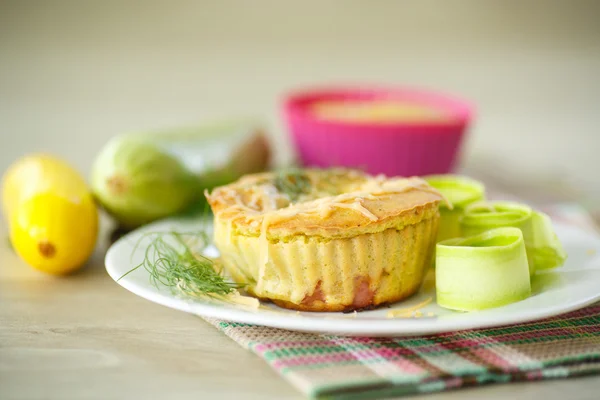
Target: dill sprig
292,182
174,259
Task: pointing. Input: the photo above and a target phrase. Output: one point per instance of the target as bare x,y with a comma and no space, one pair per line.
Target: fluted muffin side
312,273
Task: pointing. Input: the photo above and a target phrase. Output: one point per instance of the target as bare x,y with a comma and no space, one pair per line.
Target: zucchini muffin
326,240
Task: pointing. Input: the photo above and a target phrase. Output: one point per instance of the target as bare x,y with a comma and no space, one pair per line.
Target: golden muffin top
322,202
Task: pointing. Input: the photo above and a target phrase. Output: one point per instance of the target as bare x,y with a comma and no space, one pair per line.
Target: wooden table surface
84,337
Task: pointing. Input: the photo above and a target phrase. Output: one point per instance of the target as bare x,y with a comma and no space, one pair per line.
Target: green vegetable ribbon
460,192
483,271
544,250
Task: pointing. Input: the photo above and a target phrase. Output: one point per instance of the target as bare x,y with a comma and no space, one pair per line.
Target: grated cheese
408,311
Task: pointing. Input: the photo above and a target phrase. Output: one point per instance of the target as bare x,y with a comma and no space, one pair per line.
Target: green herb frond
292,182
174,259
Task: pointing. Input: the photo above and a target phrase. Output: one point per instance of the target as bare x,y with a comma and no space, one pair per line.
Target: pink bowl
390,148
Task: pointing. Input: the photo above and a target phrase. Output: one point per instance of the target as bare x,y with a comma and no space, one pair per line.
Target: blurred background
73,73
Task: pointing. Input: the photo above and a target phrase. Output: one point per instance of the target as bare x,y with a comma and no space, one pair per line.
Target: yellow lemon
52,216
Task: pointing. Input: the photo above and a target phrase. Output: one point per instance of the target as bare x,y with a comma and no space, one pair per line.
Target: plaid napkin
332,367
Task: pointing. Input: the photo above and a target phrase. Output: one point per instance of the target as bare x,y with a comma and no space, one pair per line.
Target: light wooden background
73,74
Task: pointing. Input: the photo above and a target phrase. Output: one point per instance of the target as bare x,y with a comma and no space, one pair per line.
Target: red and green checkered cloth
332,367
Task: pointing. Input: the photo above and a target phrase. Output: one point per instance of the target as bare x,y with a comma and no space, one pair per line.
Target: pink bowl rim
461,110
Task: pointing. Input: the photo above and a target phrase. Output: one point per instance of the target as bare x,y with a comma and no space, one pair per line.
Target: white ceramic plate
565,289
